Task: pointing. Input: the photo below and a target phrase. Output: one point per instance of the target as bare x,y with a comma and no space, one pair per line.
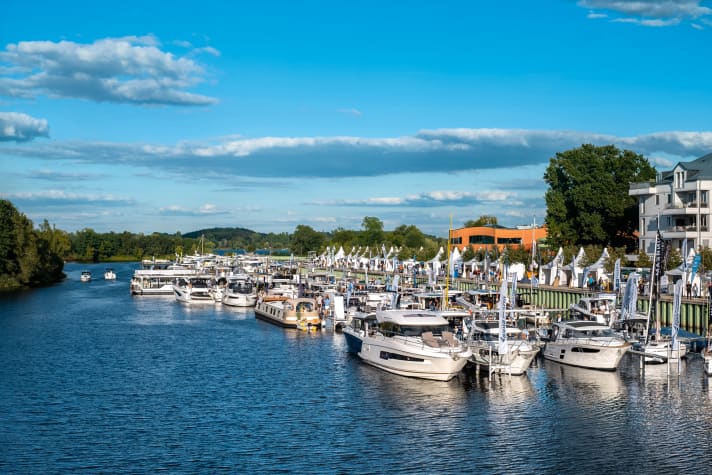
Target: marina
146,384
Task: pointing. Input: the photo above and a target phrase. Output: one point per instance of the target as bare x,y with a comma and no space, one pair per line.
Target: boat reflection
587,383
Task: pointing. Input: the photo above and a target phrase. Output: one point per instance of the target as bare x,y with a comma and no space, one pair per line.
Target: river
93,380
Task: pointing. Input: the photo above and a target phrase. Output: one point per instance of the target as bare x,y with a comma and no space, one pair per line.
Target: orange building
487,237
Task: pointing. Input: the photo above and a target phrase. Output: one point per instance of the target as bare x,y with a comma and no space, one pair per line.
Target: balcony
684,208
641,189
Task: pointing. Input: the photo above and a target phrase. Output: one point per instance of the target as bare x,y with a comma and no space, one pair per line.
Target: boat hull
516,362
399,359
603,357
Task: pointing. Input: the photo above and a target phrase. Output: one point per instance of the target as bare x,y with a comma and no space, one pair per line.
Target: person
688,289
694,289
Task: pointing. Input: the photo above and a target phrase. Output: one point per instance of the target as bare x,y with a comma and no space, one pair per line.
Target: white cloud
129,70
19,127
653,13
427,199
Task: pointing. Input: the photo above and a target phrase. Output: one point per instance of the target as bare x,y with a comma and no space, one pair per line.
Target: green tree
587,200
372,231
481,221
27,257
305,239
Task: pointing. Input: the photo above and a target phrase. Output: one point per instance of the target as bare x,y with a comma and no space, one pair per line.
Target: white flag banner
676,302
503,317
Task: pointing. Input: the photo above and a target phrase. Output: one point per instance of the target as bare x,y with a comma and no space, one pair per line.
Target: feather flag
617,275
676,302
503,317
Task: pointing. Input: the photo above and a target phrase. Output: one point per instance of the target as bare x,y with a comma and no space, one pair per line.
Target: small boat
289,312
86,276
661,350
599,308
414,343
585,344
483,341
109,274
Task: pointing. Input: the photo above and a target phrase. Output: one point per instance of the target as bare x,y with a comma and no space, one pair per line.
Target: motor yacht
586,344
414,343
195,289
109,274
239,291
85,276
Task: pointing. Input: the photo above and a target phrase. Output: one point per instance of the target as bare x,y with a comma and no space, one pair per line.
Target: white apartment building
678,203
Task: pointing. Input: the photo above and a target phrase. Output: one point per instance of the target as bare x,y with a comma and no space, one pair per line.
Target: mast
443,304
650,300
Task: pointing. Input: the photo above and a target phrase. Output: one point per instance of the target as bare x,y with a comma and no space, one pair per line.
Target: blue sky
146,117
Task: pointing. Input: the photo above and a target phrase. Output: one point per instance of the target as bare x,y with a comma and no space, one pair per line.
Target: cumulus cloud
435,150
654,13
127,70
19,127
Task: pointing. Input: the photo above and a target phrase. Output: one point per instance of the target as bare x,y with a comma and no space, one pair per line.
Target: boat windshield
603,332
418,330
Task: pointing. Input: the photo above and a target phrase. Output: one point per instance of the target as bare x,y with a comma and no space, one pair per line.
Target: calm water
94,380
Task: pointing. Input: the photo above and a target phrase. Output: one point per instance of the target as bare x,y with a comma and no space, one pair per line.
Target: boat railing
604,341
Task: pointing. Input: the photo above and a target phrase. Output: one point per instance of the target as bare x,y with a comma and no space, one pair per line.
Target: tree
372,230
305,239
481,221
27,257
587,200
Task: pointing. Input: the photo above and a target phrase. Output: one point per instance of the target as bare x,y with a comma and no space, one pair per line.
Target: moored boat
196,289
414,343
289,312
513,357
585,344
240,291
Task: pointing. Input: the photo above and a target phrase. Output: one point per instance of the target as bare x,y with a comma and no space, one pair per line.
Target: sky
170,117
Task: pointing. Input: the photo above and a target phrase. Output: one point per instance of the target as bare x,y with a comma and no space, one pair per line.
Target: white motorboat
85,276
599,308
483,341
196,289
361,324
289,312
662,351
109,274
586,344
414,343
240,291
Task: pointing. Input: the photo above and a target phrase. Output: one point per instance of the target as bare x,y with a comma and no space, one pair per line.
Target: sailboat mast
650,300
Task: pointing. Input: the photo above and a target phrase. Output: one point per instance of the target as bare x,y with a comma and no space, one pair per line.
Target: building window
481,239
456,240
703,199
657,200
669,198
513,240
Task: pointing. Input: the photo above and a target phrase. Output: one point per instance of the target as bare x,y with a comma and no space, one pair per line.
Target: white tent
549,273
572,272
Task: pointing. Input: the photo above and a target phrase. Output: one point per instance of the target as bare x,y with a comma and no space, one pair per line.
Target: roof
699,168
410,317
